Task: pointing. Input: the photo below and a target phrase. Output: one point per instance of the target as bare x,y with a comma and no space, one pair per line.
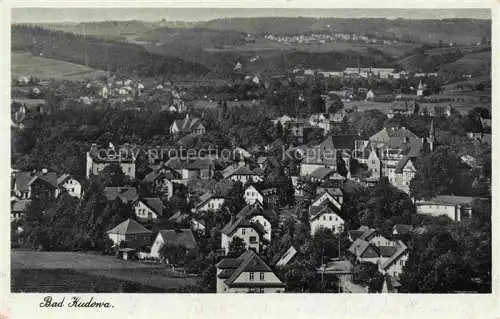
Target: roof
400,249
179,237
50,178
125,193
256,209
317,211
19,205
178,217
161,173
387,251
394,137
240,170
241,222
206,197
154,203
402,163
129,226
249,261
339,267
449,200
358,247
333,191
322,172
187,124
191,164
344,142
111,155
21,180
284,258
63,178
402,229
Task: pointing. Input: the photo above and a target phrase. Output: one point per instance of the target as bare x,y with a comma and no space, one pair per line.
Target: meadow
23,63
34,271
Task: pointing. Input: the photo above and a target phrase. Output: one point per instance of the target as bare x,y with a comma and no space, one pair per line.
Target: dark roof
317,211
125,193
241,170
241,222
256,209
49,178
402,163
178,217
21,180
350,186
400,249
358,247
206,197
161,173
191,164
129,226
387,251
249,261
322,172
155,204
179,237
344,142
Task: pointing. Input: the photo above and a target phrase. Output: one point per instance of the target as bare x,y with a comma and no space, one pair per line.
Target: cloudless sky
34,15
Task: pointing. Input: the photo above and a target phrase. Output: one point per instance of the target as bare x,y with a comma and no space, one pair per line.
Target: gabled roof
129,226
241,222
318,211
394,137
179,237
344,142
154,203
400,250
358,247
284,258
161,173
63,178
187,124
329,200
333,191
256,209
387,251
241,170
322,172
100,155
191,164
206,197
49,178
249,261
125,193
402,163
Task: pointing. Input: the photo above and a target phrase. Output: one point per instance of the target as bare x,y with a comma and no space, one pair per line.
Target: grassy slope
27,64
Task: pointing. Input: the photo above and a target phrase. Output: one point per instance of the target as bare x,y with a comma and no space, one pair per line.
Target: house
284,258
334,192
332,197
265,195
267,162
371,235
402,230
362,251
370,96
209,201
192,168
43,184
20,187
320,121
404,173
243,174
160,181
247,273
248,231
69,184
323,155
455,207
325,217
126,194
149,208
264,218
392,263
18,208
183,238
322,174
187,125
198,225
99,158
131,233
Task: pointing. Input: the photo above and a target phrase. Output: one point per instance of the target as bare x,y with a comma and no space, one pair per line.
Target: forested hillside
100,54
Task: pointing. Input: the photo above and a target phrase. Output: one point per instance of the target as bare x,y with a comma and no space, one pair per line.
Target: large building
99,158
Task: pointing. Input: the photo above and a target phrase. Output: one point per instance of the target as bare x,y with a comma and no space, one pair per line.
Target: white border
249,306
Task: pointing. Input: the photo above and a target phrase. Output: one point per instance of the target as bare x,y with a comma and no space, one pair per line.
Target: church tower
420,89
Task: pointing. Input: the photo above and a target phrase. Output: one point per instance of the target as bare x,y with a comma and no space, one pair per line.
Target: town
365,178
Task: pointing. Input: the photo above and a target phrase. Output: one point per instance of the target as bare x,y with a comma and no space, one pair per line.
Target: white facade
264,222
327,219
439,209
252,195
402,180
249,278
95,168
246,178
249,236
330,198
142,211
213,204
396,267
73,187
156,246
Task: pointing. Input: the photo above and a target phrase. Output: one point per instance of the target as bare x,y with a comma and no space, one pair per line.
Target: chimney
187,116
44,171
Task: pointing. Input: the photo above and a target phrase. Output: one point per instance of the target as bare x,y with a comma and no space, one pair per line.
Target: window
251,276
330,217
253,239
324,217
243,231
261,276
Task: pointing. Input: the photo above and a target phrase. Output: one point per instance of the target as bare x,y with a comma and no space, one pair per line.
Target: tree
300,276
112,175
437,173
236,247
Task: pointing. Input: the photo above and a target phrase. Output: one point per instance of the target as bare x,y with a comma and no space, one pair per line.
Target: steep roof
188,124
178,217
155,204
402,163
249,261
400,249
322,172
50,178
284,258
344,142
63,178
241,170
179,237
241,222
161,173
317,211
394,137
129,226
125,193
21,180
256,209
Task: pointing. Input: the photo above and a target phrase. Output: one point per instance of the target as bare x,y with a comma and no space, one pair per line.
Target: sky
43,15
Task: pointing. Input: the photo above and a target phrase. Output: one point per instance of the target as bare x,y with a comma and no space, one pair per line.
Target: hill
460,31
43,68
98,53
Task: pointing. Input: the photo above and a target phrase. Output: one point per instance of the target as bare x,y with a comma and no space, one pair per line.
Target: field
78,272
43,68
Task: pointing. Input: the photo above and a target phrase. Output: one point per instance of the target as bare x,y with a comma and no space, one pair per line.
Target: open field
43,68
34,271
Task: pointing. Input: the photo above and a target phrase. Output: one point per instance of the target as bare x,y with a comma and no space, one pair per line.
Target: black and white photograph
232,150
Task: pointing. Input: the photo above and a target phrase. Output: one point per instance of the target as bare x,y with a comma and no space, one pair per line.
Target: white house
404,173
149,208
242,174
328,198
132,233
257,215
393,265
242,227
99,158
209,202
253,195
187,125
325,217
455,207
70,185
177,237
247,273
